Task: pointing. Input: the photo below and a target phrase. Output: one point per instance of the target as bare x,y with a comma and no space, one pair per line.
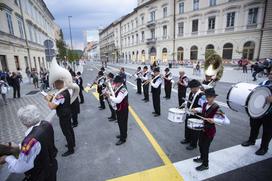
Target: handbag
4,89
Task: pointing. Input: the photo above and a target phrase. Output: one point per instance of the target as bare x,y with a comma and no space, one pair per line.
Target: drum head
193,120
257,106
176,110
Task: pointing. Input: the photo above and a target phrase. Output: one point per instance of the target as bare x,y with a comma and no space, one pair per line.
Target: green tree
62,48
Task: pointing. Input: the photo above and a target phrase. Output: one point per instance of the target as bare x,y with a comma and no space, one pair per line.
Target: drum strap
193,101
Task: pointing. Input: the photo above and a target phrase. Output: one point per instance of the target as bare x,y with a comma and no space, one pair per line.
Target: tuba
213,67
57,72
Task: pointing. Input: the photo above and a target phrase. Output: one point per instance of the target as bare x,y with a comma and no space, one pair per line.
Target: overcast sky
87,15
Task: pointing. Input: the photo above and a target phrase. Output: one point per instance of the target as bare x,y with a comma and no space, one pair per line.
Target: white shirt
25,162
169,76
157,83
121,95
145,76
184,81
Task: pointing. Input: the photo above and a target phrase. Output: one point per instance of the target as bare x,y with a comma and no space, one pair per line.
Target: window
143,37
211,23
21,30
142,18
193,53
230,19
209,48
180,54
165,12
248,50
252,16
152,16
181,7
137,39
132,39
9,21
212,2
164,32
180,28
196,5
17,63
30,32
152,31
195,25
227,51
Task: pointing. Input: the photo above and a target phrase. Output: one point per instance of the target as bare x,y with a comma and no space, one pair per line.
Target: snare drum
250,99
195,124
176,115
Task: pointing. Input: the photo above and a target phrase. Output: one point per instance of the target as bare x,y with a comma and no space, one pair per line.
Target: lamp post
69,17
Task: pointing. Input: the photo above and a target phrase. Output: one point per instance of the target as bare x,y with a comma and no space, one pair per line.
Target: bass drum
250,99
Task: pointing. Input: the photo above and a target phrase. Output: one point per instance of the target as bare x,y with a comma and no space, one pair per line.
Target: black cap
139,68
110,75
118,79
210,92
194,83
100,73
157,69
166,70
78,73
102,69
145,67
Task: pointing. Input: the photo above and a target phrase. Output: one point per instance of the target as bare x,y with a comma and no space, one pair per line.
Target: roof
47,10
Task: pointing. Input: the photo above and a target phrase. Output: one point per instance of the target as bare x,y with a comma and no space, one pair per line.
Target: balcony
151,24
151,41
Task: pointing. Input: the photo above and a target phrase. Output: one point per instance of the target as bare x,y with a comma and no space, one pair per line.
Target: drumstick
203,118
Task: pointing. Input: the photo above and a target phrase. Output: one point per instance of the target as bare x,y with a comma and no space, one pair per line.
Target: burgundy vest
167,82
124,104
209,128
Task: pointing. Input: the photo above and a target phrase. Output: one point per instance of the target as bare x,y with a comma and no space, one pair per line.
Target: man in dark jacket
15,83
79,82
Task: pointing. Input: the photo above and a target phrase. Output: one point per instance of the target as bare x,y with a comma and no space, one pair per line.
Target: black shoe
99,107
190,147
120,142
118,136
248,143
156,115
112,119
202,168
261,152
82,102
146,101
165,97
102,108
74,125
198,160
143,99
184,141
67,153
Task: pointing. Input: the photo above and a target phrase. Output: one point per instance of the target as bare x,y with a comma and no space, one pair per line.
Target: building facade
24,27
182,30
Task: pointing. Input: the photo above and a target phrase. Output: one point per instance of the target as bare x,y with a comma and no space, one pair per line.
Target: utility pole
174,32
70,32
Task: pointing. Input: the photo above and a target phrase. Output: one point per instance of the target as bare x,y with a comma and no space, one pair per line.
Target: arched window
209,47
180,54
153,51
164,50
143,56
164,55
227,51
248,50
193,53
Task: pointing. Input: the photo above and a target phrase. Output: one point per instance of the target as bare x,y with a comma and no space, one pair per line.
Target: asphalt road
97,158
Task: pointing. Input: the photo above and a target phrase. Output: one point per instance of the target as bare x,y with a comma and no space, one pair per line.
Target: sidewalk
230,75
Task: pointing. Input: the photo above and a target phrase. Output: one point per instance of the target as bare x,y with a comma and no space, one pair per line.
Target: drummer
266,121
212,114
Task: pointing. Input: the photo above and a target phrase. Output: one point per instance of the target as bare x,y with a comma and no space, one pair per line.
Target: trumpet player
145,83
121,100
110,77
167,83
182,87
139,81
100,86
156,91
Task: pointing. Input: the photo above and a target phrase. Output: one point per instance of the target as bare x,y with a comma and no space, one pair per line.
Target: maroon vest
209,128
167,82
124,104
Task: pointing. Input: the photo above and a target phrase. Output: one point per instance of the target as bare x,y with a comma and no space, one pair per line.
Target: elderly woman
37,157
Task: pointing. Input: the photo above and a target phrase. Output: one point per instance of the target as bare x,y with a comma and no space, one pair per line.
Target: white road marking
222,161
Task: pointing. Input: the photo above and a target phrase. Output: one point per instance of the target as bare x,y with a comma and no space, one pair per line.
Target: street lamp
70,32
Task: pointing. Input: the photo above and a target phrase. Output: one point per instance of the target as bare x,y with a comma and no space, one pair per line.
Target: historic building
181,30
24,27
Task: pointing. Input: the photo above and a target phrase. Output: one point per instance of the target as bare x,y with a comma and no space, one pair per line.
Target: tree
62,48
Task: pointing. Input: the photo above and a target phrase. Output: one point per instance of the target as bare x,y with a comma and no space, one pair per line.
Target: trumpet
150,80
89,86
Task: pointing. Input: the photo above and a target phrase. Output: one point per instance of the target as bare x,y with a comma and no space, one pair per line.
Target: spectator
35,77
28,73
244,65
257,69
198,71
4,89
15,83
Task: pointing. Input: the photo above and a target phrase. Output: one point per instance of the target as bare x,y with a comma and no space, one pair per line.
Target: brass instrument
150,80
110,89
9,150
89,86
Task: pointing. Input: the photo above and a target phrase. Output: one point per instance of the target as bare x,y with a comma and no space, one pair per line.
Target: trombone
89,86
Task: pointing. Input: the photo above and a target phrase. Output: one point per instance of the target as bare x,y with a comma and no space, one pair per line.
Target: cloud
87,15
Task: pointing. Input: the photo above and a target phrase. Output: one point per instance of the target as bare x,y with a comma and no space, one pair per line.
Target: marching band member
121,100
211,114
266,122
110,77
167,83
123,75
79,82
139,81
63,108
156,91
196,99
182,87
145,78
75,107
100,87
37,153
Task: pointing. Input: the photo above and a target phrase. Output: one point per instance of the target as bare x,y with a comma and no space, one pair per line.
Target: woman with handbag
4,89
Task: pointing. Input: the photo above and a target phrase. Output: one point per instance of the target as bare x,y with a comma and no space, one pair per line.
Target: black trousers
181,95
146,92
204,146
139,86
113,112
16,91
75,119
244,69
156,103
255,125
168,89
190,135
122,119
68,132
81,96
101,100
